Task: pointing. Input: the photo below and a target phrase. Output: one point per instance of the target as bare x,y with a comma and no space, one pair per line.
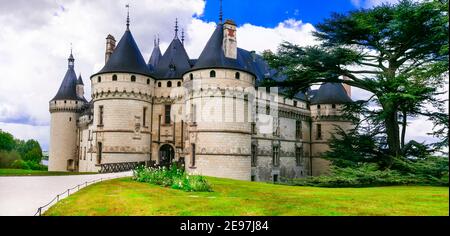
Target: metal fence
68,192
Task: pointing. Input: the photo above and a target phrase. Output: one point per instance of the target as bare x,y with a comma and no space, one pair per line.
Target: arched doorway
166,155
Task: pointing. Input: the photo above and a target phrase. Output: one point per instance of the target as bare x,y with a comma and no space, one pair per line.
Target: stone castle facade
207,113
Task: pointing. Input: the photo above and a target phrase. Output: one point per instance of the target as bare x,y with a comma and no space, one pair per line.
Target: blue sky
269,13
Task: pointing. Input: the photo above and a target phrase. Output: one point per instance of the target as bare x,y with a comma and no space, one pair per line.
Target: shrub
7,158
172,177
369,175
27,165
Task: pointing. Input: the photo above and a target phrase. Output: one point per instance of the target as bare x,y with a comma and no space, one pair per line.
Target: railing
120,167
68,191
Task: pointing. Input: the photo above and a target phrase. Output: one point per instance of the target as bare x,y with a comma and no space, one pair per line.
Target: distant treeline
19,154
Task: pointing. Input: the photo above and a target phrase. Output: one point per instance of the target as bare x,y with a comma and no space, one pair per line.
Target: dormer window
237,75
212,74
114,78
133,78
172,67
169,84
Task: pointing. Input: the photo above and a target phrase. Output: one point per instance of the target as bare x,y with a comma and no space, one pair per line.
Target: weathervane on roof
220,12
128,16
176,27
182,36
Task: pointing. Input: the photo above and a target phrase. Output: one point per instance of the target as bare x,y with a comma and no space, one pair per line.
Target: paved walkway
22,196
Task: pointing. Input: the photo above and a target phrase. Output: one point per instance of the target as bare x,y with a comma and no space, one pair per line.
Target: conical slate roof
174,63
214,57
67,90
126,58
154,58
80,80
331,93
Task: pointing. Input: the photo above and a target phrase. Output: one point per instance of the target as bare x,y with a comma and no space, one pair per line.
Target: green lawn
241,198
20,172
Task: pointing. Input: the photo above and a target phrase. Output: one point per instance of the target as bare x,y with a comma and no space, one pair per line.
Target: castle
207,113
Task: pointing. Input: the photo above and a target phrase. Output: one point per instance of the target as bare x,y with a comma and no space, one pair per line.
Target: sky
37,35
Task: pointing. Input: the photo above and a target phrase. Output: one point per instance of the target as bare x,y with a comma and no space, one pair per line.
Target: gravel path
22,196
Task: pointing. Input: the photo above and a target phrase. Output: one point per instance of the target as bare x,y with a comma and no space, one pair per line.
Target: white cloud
373,3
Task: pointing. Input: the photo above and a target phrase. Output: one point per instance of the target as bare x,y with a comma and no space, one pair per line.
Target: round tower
65,108
122,94
219,141
326,114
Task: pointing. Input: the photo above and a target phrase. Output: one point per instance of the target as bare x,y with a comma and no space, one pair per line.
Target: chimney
229,39
110,46
347,87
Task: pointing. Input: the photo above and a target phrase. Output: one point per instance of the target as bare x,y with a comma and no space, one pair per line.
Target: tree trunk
392,131
404,123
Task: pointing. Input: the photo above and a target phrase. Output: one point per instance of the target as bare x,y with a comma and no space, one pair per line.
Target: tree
7,142
399,53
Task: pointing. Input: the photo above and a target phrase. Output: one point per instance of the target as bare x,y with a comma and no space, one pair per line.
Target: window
99,79
299,156
144,117
133,78
169,84
100,115
167,109
253,128
194,113
148,81
179,84
295,103
237,75
212,74
333,106
319,131
318,106
99,153
298,129
84,153
70,119
193,155
159,84
268,110
191,76
275,156
254,157
253,178
114,78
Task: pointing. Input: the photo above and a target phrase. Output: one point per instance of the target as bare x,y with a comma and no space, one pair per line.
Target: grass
126,197
21,172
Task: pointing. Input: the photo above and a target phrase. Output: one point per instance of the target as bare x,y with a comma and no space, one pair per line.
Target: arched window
191,76
148,81
114,78
133,78
237,75
159,84
179,84
212,74
99,79
169,84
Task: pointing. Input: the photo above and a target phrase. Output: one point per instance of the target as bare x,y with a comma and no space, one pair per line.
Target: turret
326,112
121,98
80,87
65,108
218,103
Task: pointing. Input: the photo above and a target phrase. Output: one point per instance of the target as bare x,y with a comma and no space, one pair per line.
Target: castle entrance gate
166,155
